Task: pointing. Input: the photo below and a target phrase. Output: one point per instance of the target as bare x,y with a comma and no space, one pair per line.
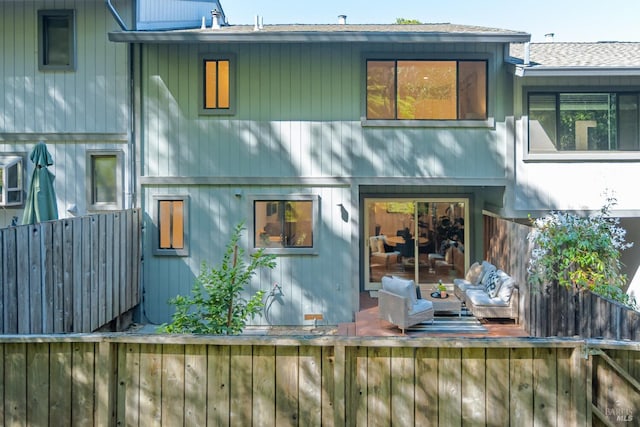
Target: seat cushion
481,298
420,306
402,287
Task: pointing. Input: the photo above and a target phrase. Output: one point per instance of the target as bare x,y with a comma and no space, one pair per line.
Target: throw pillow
473,274
492,284
507,284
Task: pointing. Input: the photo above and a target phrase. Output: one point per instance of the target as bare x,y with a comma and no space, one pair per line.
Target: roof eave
310,37
542,71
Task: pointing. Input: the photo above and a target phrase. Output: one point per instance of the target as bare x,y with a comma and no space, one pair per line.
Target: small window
104,180
171,220
286,224
583,122
56,39
11,181
426,90
217,77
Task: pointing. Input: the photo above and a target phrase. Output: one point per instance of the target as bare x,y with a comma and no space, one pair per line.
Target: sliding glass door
422,239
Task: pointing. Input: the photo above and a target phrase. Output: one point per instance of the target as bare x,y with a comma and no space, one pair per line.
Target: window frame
315,221
10,157
572,155
157,250
43,14
488,122
102,206
202,110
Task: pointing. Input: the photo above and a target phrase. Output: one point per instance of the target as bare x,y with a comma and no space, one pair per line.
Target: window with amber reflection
426,90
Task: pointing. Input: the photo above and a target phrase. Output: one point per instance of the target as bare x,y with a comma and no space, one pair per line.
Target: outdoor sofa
488,292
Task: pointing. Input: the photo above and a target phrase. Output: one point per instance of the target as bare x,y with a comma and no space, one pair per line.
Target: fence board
195,385
378,387
15,383
264,385
173,385
38,384
218,391
69,275
426,387
521,387
449,390
241,399
60,400
82,385
498,380
10,278
474,364
545,378
310,380
402,386
150,385
287,388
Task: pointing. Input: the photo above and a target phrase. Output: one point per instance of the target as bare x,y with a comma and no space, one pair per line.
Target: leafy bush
582,252
215,305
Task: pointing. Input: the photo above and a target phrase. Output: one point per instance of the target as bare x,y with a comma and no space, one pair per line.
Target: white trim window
56,40
104,177
285,224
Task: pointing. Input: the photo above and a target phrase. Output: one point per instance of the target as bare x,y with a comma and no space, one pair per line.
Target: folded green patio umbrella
41,200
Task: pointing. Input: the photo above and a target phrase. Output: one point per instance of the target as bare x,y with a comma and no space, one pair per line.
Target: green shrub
215,305
582,252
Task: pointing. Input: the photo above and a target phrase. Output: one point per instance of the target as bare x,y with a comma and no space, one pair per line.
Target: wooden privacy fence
71,275
120,379
554,311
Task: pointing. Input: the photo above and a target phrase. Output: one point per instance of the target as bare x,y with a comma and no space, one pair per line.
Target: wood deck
368,324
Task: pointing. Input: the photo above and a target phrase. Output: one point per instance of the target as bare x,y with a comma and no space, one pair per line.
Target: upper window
285,224
104,180
426,90
217,77
56,39
572,122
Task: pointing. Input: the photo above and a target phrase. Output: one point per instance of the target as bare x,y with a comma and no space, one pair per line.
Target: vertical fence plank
118,277
109,243
3,261
151,385
85,287
498,376
521,390
449,386
100,260
218,385
403,399
15,380
60,398
379,386
35,305
545,387
241,395
82,385
57,277
124,272
105,380
23,284
50,297
195,385
358,395
69,291
130,384
474,391
308,404
426,389
173,386
287,392
333,385
10,281
264,385
3,391
38,384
